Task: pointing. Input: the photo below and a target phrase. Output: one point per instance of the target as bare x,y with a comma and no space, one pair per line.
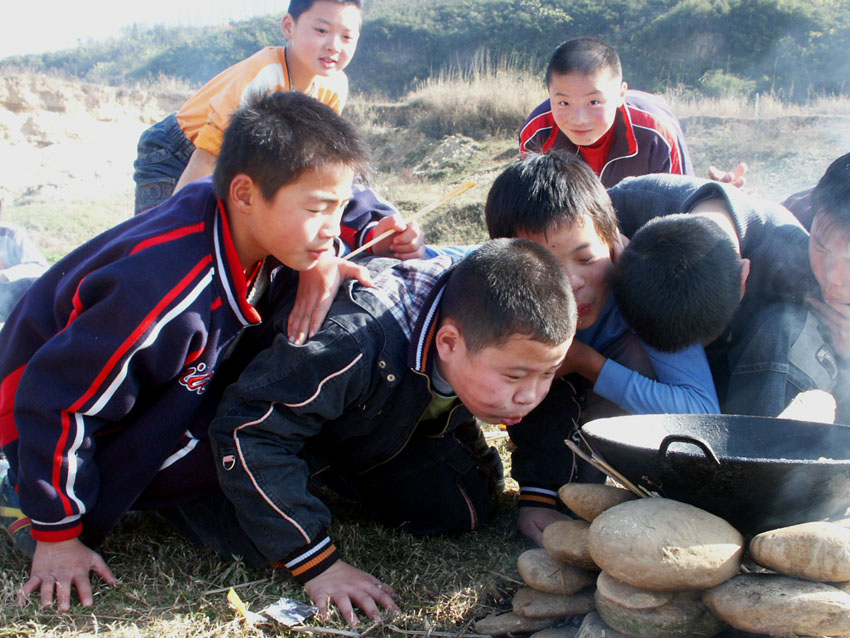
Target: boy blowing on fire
556,200
380,406
108,374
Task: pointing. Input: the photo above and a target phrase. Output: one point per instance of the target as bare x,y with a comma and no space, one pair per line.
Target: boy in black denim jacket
382,402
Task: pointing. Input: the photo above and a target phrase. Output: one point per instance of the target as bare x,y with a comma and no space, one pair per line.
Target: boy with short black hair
108,365
772,349
829,251
679,281
185,145
557,201
590,112
380,406
321,39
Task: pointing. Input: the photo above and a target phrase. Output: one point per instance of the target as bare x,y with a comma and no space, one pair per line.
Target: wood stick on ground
221,590
420,213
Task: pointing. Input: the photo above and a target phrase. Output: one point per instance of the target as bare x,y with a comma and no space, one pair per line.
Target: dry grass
170,588
486,97
761,106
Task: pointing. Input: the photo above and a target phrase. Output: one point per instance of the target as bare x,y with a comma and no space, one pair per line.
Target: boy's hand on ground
57,567
408,242
734,177
347,587
317,288
533,520
835,319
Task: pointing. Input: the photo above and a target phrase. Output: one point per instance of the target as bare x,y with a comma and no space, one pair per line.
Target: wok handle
702,444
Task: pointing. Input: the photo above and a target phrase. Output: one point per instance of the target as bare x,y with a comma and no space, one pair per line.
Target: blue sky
29,26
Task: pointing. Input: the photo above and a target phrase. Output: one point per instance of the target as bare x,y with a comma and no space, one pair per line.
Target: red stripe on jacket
111,364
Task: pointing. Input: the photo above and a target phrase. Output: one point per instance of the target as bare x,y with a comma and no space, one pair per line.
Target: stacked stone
807,592
666,569
657,556
559,579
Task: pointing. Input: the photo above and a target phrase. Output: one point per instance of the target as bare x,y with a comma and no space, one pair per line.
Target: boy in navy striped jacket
591,113
108,365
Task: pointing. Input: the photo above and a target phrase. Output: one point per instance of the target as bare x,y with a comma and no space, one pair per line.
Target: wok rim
590,436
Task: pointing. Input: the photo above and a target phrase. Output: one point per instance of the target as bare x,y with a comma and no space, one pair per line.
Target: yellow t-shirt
205,116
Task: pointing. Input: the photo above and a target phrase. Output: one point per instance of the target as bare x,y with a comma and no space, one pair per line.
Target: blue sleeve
684,384
452,251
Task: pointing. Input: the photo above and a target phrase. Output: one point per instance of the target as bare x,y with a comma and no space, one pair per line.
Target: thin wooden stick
221,590
602,466
460,190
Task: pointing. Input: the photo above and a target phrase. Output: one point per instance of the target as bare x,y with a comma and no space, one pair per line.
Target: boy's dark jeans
163,153
435,485
774,354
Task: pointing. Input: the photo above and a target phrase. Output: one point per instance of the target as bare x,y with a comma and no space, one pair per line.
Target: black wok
758,473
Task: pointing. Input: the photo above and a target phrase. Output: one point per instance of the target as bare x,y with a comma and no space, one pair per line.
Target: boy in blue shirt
556,200
108,365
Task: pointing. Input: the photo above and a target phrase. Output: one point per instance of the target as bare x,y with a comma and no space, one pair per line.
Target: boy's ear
745,272
449,340
243,193
287,25
623,88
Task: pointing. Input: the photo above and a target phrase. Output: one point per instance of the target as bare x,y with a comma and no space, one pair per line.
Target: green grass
58,227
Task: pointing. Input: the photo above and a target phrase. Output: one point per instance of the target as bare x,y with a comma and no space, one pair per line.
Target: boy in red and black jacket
590,111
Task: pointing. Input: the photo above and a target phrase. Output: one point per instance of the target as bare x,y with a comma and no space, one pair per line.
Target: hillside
791,48
68,150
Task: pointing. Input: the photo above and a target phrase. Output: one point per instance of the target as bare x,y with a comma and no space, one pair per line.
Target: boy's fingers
100,568
29,587
318,315
296,327
83,591
356,271
47,586
824,311
346,609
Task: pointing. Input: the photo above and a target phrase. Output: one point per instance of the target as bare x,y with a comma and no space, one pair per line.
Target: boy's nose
334,44
332,227
528,393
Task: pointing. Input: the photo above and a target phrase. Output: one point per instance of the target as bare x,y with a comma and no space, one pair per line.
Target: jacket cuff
311,560
49,533
533,496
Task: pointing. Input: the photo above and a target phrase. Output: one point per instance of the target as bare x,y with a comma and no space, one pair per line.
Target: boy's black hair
274,138
583,55
831,197
297,7
678,282
510,287
544,192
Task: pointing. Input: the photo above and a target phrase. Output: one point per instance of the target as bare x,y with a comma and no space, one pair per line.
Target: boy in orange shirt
321,39
322,36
